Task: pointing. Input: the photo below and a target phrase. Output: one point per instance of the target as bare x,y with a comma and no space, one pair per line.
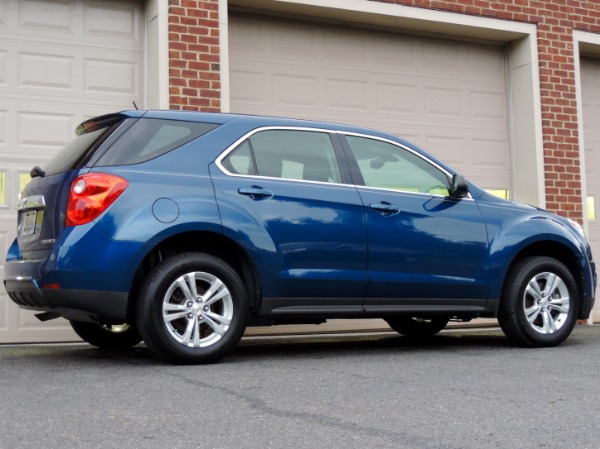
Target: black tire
418,327
107,336
182,326
539,304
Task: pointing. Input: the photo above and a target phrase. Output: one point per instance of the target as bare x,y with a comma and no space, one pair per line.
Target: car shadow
254,349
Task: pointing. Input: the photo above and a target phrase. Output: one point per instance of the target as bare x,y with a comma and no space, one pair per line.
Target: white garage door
590,80
61,61
448,97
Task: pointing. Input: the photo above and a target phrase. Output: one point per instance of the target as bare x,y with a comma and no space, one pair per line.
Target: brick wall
195,83
194,55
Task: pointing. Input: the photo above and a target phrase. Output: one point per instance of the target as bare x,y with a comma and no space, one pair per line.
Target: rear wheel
418,327
192,308
107,336
540,303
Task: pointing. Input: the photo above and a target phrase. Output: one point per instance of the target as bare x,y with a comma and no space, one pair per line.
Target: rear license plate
29,220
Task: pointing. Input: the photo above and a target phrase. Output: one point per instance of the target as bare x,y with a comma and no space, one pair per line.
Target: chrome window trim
249,134
234,145
404,147
417,154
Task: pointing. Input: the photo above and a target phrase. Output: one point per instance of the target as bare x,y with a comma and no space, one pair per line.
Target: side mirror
459,187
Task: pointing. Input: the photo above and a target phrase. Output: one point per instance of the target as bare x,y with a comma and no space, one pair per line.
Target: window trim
336,144
357,176
346,161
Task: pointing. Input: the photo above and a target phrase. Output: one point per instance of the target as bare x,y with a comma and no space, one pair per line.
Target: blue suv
181,229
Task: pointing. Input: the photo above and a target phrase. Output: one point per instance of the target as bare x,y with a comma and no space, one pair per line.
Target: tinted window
388,166
150,138
76,150
240,161
290,154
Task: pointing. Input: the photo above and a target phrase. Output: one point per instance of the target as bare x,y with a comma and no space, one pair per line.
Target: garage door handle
255,192
385,208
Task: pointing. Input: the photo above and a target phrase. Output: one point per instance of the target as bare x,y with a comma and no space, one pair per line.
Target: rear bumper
84,276
26,282
77,305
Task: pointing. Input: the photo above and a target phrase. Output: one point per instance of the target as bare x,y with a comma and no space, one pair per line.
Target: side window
289,154
388,166
240,160
149,138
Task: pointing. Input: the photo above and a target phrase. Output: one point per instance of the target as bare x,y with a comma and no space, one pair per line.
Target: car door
426,249
284,197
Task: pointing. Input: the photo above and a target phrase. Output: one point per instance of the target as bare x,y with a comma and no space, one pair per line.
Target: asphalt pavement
461,389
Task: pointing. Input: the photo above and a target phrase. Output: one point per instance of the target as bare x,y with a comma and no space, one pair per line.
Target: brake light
90,195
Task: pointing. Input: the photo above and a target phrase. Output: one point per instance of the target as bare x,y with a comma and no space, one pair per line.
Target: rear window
150,138
77,150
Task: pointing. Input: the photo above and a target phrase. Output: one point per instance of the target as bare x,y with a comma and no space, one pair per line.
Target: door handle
255,192
385,208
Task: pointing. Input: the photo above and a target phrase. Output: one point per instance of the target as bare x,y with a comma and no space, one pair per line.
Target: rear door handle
385,208
255,192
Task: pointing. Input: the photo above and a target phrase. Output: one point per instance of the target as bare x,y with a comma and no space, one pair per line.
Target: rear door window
150,138
288,154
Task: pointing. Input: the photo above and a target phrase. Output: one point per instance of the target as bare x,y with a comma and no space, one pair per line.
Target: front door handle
385,208
255,192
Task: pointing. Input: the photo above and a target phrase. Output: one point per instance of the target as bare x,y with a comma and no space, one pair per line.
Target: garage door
590,80
447,96
61,61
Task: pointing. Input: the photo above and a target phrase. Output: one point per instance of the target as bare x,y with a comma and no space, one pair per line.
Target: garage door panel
3,128
292,42
3,67
443,101
110,19
45,71
387,53
278,86
592,159
37,14
397,98
303,94
61,74
61,62
78,23
344,94
102,76
36,132
4,308
420,88
487,106
590,83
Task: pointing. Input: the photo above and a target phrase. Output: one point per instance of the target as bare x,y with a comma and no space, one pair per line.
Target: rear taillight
90,195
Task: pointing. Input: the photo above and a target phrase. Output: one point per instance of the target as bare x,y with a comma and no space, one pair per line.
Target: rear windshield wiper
37,171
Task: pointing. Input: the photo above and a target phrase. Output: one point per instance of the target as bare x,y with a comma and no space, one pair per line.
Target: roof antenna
135,105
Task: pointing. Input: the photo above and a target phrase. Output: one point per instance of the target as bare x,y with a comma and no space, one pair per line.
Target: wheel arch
558,251
208,242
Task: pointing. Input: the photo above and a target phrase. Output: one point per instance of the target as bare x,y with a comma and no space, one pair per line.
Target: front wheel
192,308
539,304
107,336
418,327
